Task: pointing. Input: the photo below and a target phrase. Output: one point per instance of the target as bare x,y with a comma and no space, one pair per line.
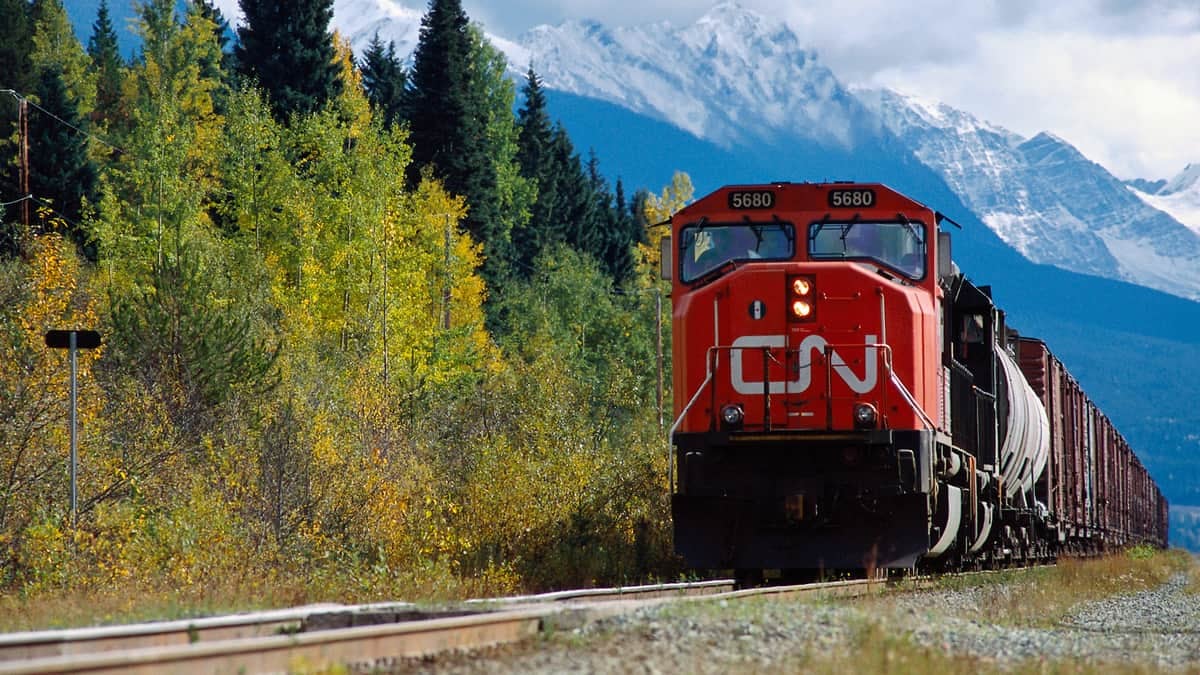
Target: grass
1043,596
141,599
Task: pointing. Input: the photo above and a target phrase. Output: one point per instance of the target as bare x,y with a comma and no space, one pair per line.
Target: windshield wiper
908,226
846,232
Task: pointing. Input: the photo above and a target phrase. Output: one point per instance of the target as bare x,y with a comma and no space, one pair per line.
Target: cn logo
860,385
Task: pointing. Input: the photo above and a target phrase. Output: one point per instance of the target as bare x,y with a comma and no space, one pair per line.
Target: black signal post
73,340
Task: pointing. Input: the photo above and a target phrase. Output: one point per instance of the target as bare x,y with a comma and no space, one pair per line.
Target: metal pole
74,435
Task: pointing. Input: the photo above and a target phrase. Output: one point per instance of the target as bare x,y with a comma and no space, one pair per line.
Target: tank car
845,398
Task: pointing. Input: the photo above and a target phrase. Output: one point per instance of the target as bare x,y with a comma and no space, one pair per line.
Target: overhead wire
21,97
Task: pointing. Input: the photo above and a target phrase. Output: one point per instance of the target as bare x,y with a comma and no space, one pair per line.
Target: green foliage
569,488
61,174
16,45
153,197
221,67
1142,552
384,80
459,112
287,49
56,46
106,67
181,339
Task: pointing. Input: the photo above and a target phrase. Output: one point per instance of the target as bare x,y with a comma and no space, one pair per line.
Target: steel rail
48,643
380,645
25,646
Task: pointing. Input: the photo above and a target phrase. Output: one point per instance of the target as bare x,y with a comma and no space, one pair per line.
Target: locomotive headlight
801,298
865,416
732,415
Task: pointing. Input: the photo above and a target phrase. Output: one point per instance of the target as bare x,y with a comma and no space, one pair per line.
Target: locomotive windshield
899,245
705,247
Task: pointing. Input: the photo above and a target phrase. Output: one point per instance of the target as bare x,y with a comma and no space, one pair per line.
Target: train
847,399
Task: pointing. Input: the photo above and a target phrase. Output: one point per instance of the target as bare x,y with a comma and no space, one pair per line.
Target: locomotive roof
807,197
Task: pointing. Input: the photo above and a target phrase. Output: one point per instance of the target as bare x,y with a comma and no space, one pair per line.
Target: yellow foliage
34,381
658,210
352,102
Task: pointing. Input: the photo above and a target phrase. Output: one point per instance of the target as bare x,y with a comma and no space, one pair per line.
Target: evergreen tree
624,264
536,129
16,43
61,174
106,67
613,236
288,49
458,128
535,157
574,202
441,120
384,80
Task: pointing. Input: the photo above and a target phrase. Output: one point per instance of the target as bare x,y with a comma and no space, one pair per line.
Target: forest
369,330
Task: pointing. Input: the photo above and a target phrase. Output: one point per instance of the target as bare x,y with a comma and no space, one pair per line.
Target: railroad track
367,636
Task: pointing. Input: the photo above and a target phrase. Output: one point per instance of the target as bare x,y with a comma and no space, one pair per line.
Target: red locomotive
846,399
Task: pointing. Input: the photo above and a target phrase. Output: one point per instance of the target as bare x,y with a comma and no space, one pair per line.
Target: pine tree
442,122
536,129
106,67
574,202
458,128
384,80
61,174
288,49
612,237
536,159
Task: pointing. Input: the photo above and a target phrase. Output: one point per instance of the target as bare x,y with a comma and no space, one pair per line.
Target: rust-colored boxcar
1095,486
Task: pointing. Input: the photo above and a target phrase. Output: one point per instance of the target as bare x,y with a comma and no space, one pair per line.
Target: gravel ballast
1155,630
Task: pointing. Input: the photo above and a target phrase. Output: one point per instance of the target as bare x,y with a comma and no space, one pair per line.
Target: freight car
846,398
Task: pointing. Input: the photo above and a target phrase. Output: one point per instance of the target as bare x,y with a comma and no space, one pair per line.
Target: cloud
1131,103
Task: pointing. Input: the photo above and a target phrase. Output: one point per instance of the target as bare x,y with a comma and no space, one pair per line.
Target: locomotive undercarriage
803,500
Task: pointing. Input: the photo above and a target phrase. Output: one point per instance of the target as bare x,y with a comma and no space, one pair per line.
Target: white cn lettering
750,343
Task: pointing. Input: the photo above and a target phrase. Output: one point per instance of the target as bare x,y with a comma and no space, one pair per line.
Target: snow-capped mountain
1179,197
733,78
1047,200
360,20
